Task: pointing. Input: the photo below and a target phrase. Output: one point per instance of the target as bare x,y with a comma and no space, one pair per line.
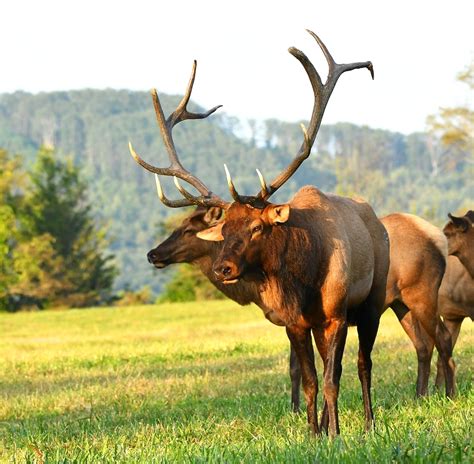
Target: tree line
426,173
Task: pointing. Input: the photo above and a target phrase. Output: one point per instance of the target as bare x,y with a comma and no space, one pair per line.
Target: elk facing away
319,263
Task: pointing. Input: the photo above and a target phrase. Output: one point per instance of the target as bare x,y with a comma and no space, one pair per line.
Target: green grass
206,383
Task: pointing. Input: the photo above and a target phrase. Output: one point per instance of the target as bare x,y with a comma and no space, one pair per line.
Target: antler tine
322,93
175,168
231,186
200,200
166,201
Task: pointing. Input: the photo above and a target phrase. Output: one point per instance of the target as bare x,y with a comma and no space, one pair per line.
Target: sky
417,48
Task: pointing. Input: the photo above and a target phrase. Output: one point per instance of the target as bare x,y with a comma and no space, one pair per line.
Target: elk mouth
160,264
230,281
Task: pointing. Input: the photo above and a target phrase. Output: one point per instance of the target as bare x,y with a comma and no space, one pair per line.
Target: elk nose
225,270
151,255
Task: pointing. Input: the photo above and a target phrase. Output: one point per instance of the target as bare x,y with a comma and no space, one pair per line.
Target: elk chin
160,265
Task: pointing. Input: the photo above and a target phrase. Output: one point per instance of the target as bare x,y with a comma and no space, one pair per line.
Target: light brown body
456,294
418,253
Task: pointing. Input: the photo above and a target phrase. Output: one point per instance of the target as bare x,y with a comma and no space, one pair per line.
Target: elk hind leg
454,327
335,335
422,342
367,328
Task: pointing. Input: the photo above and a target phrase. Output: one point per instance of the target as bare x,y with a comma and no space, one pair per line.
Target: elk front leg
301,343
335,334
295,377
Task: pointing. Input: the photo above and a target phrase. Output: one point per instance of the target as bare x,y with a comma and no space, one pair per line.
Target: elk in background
456,295
326,260
418,253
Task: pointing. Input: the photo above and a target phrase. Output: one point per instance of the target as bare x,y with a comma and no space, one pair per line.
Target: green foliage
40,274
57,205
199,383
7,276
454,127
395,172
133,298
189,284
51,251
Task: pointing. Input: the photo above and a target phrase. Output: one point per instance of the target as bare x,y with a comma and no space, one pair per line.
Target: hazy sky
417,48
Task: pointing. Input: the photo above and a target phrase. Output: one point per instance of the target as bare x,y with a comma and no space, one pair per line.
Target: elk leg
295,377
442,339
367,327
301,342
454,327
320,340
335,334
422,342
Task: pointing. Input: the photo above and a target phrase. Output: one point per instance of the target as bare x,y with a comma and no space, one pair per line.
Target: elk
456,294
417,264
183,246
319,262
418,253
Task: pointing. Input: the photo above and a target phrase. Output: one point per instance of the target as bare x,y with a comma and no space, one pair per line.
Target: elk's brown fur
418,252
456,294
321,269
183,246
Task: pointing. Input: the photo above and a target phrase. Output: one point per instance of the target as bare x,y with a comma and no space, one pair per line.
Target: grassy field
206,383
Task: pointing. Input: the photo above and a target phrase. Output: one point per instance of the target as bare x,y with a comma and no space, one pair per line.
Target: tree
39,274
57,206
454,127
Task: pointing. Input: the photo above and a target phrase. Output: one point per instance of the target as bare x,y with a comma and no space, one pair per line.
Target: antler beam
322,93
176,169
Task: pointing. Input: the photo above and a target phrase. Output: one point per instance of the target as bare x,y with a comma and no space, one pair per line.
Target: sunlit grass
206,383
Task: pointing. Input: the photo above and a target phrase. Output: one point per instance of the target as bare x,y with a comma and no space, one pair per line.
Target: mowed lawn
207,382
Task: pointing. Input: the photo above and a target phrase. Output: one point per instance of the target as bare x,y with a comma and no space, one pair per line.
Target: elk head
460,234
249,219
183,246
245,232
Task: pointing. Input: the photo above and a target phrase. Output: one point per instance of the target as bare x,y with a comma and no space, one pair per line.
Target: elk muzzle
226,271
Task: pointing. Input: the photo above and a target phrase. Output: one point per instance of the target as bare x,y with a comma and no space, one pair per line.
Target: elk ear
278,214
213,215
213,234
460,223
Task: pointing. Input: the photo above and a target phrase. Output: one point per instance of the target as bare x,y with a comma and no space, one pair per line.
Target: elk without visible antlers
456,295
319,263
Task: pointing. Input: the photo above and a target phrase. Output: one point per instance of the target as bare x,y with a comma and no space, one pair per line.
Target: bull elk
319,262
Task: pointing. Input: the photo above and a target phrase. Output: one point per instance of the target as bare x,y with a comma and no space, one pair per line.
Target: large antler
322,93
176,169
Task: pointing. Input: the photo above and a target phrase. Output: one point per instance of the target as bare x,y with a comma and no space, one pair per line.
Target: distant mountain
393,171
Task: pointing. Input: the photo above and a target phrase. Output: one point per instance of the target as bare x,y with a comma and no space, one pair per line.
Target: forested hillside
395,172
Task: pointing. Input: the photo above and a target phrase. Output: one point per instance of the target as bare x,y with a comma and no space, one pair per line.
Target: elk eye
256,229
188,232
